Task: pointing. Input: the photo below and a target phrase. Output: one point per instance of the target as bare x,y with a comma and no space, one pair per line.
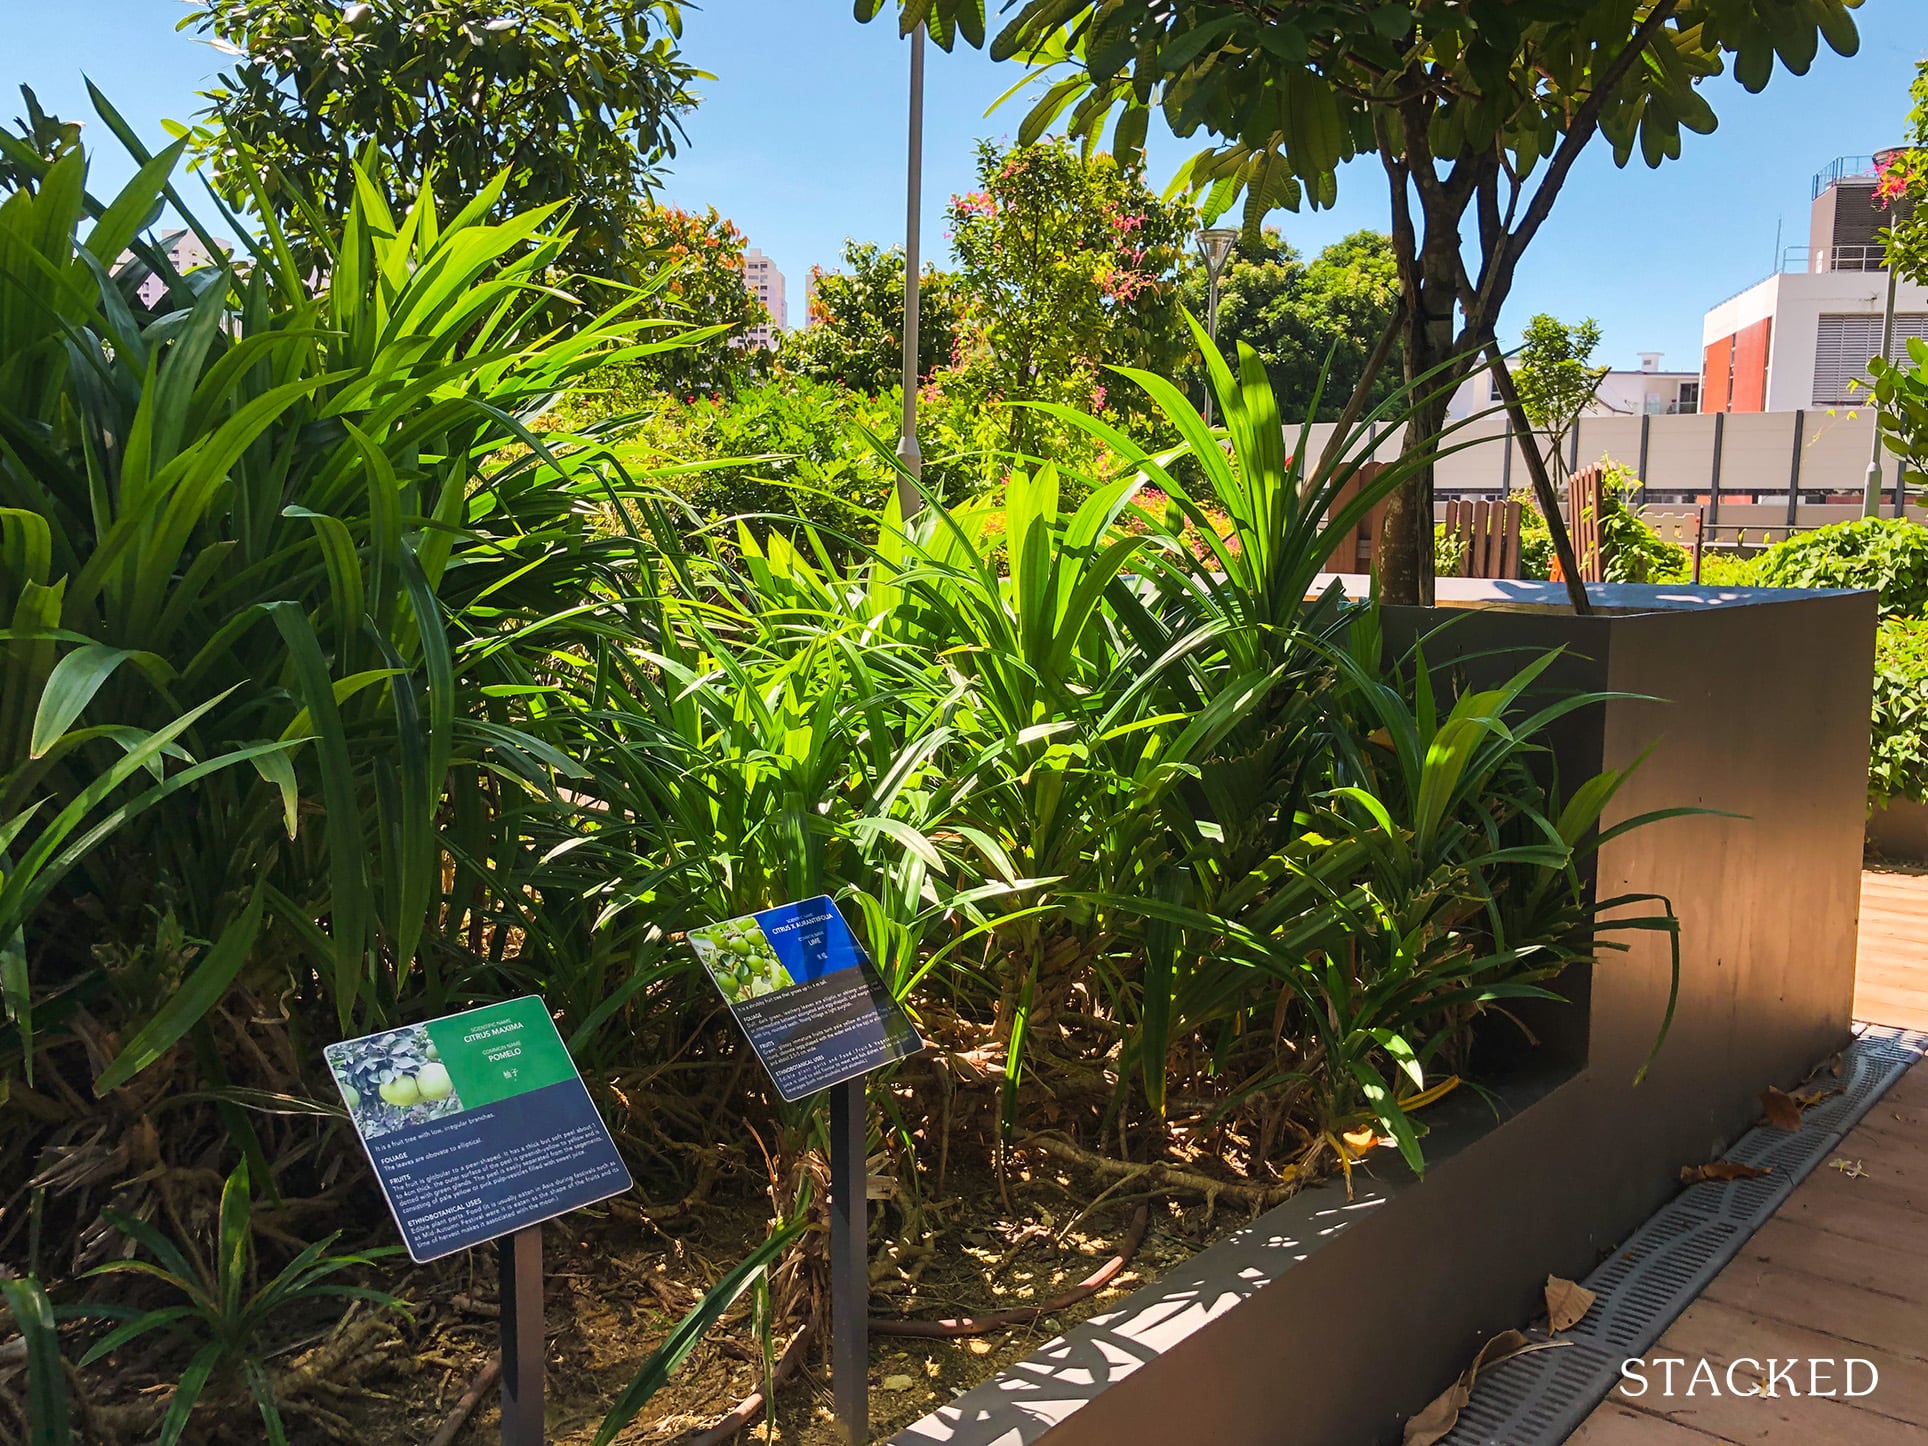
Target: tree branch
1542,484
1586,120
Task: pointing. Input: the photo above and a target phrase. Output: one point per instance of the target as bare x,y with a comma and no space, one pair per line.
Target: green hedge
1884,553
1898,763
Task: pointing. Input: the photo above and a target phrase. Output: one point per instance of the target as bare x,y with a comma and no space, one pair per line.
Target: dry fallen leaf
1808,1099
1783,1110
1432,1424
1851,1168
1566,1303
1722,1170
1834,1065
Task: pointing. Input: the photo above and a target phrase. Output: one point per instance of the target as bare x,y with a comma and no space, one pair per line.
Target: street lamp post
1215,249
909,498
1871,486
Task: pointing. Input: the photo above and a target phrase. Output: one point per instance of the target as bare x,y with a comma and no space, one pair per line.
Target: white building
184,251
1799,338
1648,392
760,274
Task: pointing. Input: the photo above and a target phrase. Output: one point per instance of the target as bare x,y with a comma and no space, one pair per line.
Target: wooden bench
1356,553
1488,534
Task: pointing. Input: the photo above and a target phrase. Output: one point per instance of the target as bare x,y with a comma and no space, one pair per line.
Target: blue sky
800,140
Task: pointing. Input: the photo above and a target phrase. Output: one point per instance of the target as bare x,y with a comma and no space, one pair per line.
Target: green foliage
1725,569
1889,555
856,334
1900,393
48,1408
1903,187
1292,97
1066,263
578,100
221,1311
1898,764
1630,550
349,679
1554,380
1536,540
1478,113
791,448
41,139
258,527
700,255
1304,319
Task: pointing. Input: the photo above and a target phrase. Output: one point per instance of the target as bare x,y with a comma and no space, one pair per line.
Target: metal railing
1839,170
1871,256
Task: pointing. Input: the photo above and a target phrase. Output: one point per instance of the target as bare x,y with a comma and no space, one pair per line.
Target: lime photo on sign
806,994
477,1124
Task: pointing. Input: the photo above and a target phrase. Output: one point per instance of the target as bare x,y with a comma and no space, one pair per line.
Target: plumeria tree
1476,111
1068,263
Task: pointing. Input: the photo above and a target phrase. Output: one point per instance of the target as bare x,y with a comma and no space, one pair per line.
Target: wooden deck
1841,1270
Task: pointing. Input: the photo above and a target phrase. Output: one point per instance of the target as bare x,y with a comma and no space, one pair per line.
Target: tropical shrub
1887,554
1630,550
855,337
349,680
1898,765
1066,261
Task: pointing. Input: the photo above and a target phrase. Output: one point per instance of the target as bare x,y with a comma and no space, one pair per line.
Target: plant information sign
477,1124
812,1003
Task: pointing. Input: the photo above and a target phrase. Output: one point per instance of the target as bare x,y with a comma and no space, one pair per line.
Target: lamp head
1215,245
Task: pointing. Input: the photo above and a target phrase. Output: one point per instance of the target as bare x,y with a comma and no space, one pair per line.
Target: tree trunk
1405,551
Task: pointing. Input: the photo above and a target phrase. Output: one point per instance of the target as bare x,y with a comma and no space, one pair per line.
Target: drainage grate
1543,1397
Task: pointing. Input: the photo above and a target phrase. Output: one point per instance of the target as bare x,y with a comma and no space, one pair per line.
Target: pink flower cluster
1894,180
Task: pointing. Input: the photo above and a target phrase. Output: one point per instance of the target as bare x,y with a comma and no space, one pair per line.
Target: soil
616,1287
616,1284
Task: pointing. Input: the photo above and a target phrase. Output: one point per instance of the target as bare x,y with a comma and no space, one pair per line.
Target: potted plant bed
1331,1319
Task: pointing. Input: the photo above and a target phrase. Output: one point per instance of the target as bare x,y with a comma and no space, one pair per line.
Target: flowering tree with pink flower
1068,264
1899,389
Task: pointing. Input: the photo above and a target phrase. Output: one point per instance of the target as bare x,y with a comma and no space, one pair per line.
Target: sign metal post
520,1259
849,1262
820,1017
479,1128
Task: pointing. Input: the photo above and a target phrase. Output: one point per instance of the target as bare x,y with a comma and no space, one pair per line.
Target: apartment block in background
760,274
1804,336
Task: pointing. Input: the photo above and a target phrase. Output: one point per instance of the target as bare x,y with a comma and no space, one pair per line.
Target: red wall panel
1750,367
1715,365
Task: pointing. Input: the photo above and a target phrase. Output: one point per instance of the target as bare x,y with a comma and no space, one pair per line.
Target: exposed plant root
978,1325
471,1398
745,1410
350,1353
1169,1177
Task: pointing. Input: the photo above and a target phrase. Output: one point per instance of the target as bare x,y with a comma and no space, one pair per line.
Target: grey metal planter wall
1330,1322
1899,831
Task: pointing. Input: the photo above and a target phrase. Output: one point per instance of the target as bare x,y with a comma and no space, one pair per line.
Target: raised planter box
1899,832
1328,1321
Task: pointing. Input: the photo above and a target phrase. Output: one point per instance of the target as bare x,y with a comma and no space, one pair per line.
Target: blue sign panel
806,994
